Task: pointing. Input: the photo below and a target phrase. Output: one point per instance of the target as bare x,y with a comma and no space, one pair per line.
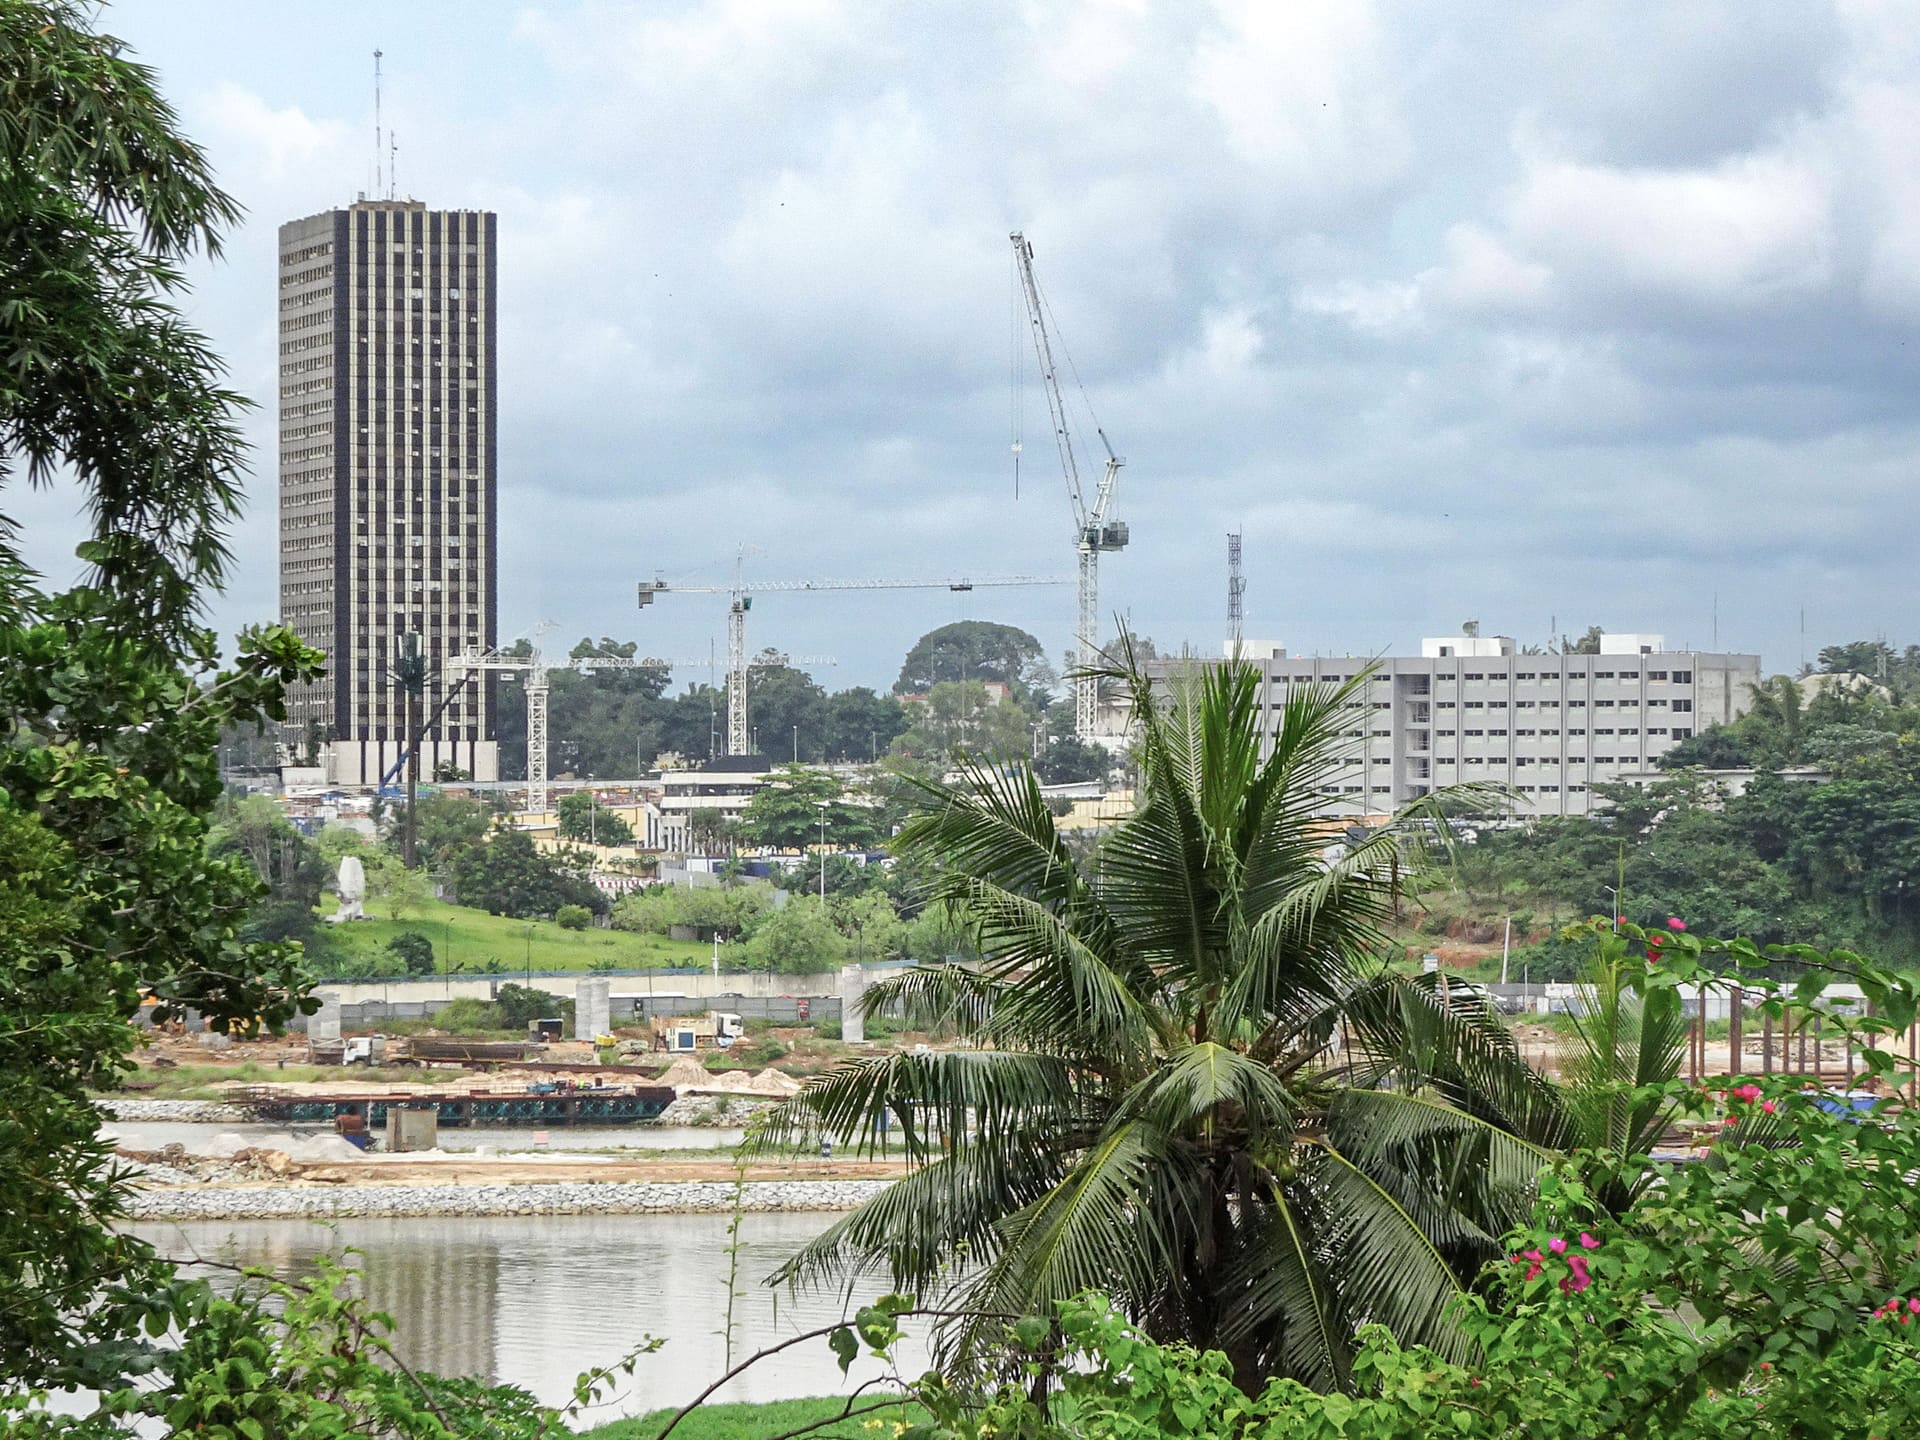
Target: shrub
413,951
466,1016
573,917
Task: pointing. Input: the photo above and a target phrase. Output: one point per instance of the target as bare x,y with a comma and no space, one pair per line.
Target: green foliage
729,910
447,826
1152,1097
758,1422
971,650
413,951
1068,758
861,725
292,870
519,1006
964,717
396,889
114,698
785,812
573,917
509,875
798,938
583,817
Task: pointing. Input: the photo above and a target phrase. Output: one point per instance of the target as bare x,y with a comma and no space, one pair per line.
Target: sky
1544,316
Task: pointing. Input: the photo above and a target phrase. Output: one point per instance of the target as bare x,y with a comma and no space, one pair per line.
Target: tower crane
740,600
1093,532
537,667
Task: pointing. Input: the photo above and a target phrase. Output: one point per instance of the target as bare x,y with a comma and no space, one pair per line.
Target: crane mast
740,600
1093,531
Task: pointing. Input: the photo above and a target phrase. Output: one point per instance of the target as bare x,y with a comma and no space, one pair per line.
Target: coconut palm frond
1390,1270
915,1229
938,1097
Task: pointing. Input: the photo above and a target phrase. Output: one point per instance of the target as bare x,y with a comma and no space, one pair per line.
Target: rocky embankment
285,1202
189,1112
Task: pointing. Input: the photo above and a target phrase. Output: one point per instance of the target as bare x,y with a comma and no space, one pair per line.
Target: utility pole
410,675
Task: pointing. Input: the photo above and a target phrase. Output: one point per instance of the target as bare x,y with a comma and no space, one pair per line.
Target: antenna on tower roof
393,166
378,187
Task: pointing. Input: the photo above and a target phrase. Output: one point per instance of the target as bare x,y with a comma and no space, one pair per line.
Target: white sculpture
352,885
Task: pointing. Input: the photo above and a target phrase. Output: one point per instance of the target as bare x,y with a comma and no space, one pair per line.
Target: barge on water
541,1106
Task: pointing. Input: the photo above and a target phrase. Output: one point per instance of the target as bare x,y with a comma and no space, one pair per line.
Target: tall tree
786,812
974,650
1188,1086
112,701
861,725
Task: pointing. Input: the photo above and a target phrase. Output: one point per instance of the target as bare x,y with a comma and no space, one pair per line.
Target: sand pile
687,1075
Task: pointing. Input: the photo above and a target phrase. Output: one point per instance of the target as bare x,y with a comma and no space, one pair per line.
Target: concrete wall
621,1010
647,982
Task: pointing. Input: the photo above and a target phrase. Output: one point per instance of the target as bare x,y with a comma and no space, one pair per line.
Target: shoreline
642,1197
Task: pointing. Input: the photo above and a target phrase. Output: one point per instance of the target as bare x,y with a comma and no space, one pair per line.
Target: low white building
1549,727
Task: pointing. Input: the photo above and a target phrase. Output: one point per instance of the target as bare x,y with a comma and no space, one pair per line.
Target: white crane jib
740,601
1093,531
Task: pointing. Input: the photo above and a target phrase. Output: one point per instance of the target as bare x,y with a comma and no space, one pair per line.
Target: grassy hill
469,939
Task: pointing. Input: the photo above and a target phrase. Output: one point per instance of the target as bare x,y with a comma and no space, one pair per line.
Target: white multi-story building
388,483
1550,727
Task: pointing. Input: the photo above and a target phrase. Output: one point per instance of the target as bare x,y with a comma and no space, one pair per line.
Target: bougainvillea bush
1771,1289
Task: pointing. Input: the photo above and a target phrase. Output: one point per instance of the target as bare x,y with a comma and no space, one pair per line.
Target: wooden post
1766,1044
1735,1006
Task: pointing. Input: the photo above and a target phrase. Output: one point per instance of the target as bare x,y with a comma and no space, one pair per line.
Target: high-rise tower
388,481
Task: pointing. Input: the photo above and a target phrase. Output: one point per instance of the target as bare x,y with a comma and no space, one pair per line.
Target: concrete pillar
591,1010
323,1026
853,1022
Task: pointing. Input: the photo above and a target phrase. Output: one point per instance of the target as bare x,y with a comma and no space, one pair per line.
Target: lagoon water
532,1301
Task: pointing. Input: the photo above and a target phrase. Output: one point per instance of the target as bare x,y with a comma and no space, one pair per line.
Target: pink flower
1674,922
1913,1305
1731,1120
1619,919
1587,1242
1557,1245
1579,1279
1747,1092
1656,941
1768,1106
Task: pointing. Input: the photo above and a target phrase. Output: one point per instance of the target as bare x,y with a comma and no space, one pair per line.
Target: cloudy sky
1569,314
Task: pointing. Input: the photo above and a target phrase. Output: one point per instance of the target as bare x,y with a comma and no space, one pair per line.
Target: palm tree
1189,1084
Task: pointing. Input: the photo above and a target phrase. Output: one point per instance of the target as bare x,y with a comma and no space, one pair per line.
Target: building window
1683,677
1656,675
1683,705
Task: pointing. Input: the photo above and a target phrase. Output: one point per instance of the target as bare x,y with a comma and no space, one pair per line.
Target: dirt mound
686,1073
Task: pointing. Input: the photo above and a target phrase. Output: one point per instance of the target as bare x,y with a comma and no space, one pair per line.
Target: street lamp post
823,853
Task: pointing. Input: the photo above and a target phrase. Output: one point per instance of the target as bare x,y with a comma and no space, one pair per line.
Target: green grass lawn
757,1422
471,937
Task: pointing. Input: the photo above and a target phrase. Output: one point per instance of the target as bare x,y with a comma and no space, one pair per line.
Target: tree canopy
975,650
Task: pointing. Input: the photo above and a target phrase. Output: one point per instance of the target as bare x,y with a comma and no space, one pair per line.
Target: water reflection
534,1300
